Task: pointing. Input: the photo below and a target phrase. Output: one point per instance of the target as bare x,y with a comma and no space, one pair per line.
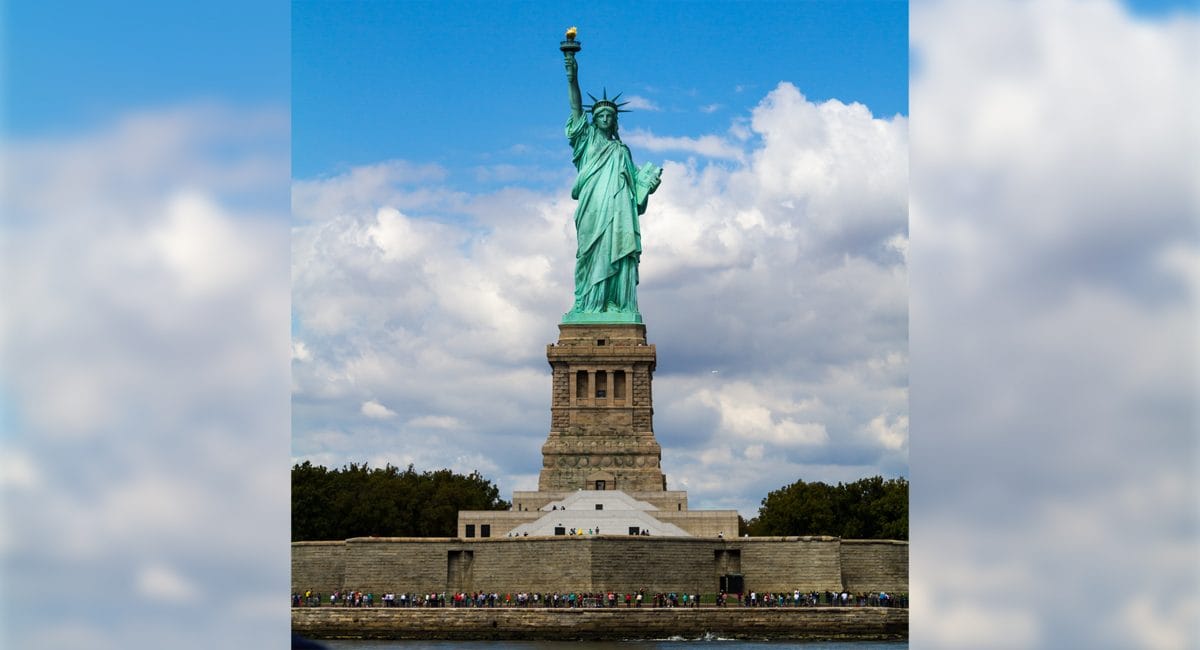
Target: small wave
708,636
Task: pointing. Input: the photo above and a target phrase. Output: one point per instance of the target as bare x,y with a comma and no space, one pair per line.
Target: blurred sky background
144,338
1053,372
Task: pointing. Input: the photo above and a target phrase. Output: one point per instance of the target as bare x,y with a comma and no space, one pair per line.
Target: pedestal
602,411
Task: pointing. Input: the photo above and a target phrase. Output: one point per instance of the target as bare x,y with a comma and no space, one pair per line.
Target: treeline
870,508
357,501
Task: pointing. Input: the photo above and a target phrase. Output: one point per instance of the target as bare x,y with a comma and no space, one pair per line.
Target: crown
605,102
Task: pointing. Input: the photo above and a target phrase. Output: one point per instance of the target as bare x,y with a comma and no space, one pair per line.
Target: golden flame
571,31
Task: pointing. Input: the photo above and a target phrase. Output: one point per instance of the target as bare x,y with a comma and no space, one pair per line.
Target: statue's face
605,121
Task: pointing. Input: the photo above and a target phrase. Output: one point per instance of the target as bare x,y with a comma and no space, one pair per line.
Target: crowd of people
794,598
826,599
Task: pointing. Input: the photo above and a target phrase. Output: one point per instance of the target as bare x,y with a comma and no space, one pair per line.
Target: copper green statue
612,193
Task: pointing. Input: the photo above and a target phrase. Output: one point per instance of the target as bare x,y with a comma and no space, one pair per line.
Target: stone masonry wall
596,624
560,397
319,566
383,564
632,563
598,563
642,396
873,565
702,523
534,564
787,563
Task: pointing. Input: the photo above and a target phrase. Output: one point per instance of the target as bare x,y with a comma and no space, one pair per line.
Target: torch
570,46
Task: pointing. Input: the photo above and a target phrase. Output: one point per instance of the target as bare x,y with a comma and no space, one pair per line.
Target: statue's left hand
656,180
649,177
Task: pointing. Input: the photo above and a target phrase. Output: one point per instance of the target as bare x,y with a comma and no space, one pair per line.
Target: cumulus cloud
377,411
710,146
145,343
639,103
395,183
892,433
1054,346
781,265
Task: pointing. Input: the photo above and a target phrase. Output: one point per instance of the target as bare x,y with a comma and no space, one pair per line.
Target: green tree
358,501
870,508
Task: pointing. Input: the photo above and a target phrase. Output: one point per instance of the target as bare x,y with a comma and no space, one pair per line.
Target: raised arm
573,84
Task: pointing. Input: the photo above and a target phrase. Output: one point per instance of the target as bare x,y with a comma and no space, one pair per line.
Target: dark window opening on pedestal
485,530
600,341
634,530
601,485
601,384
618,384
560,530
599,506
470,530
679,506
581,384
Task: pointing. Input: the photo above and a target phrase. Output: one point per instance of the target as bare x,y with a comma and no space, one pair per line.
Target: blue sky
75,65
460,84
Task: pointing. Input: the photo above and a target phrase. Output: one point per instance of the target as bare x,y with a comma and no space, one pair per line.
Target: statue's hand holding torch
569,47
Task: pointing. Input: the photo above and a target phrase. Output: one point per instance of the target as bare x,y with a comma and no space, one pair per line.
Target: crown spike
605,102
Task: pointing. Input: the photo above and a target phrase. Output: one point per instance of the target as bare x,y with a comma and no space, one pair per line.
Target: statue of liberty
611,193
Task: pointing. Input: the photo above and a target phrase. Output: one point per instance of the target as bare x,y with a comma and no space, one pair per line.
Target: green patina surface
611,193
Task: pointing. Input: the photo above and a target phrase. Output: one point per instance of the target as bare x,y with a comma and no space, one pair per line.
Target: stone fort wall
621,563
869,564
816,623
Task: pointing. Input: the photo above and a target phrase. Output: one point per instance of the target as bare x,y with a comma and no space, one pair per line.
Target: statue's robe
609,238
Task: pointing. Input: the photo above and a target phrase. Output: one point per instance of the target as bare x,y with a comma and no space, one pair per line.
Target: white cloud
300,351
639,103
436,422
1156,624
708,145
747,414
377,411
892,433
161,584
17,470
200,244
395,235
394,183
